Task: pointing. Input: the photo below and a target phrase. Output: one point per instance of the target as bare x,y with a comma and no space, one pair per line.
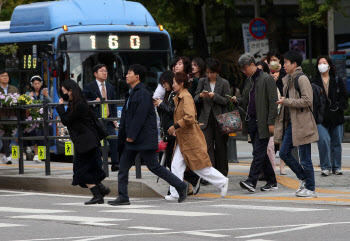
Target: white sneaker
8,160
306,193
36,159
224,189
301,186
325,173
171,198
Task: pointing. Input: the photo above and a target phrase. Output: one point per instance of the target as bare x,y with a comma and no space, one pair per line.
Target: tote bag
229,122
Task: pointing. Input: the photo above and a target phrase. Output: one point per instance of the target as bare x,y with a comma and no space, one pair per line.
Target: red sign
258,28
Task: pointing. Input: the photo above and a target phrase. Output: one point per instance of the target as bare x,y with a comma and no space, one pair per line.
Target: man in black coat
101,89
138,134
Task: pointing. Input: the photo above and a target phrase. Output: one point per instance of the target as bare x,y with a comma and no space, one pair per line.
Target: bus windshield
80,52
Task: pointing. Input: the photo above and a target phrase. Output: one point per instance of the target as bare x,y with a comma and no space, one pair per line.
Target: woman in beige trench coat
190,148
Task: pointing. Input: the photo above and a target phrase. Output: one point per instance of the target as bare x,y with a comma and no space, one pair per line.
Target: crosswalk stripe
82,220
269,208
8,225
214,235
165,212
150,228
105,205
31,210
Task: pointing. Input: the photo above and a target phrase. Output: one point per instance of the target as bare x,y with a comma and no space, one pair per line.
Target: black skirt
87,168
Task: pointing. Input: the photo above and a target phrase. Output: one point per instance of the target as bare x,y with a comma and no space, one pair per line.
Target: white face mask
323,68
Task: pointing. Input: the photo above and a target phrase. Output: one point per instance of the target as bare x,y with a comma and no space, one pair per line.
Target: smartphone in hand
205,91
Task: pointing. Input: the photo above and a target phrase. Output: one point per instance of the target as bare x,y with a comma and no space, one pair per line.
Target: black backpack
318,99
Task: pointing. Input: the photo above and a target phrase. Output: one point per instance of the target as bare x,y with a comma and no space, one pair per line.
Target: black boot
97,196
103,189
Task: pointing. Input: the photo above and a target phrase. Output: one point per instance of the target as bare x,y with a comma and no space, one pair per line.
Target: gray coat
304,129
218,104
265,97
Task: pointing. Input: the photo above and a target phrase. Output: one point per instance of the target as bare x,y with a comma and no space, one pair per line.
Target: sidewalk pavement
333,189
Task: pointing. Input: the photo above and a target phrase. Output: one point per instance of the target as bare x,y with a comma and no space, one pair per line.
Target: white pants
178,167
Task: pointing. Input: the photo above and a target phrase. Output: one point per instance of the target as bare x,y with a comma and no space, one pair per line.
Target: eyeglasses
245,68
103,71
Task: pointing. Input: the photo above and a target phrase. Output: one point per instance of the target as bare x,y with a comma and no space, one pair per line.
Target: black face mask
65,97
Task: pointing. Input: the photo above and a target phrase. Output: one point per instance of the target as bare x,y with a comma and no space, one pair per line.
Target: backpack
318,99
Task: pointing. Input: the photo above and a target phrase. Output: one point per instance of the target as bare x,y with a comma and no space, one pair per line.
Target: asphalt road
42,216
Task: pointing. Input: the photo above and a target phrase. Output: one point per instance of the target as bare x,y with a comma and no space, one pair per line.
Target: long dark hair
266,68
77,94
167,77
186,62
201,65
331,67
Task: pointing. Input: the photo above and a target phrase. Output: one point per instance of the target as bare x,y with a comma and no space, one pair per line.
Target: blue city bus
65,39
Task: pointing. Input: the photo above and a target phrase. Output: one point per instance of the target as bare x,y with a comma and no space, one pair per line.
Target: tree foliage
316,14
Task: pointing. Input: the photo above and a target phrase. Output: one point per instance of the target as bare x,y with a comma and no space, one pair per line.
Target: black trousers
217,146
151,160
261,161
6,148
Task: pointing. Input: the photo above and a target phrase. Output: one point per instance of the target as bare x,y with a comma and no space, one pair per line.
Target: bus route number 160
135,42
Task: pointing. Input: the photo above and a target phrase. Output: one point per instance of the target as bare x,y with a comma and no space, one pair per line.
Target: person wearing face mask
331,129
37,92
275,61
78,118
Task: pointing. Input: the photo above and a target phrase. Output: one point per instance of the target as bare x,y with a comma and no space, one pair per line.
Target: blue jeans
329,147
304,170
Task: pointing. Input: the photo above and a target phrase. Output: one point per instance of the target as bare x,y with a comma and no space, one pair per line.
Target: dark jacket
265,97
166,114
218,104
79,124
194,86
336,102
279,82
92,92
138,121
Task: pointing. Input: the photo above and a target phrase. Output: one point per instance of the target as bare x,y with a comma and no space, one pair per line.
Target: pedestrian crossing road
31,216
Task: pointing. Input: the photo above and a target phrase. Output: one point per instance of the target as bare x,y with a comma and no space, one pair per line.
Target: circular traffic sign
258,28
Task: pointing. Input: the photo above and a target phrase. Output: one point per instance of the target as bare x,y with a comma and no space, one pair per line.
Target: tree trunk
199,39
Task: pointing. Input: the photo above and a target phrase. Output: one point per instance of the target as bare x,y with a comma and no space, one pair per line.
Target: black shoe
183,193
204,182
97,196
103,189
119,201
197,187
114,168
269,187
247,185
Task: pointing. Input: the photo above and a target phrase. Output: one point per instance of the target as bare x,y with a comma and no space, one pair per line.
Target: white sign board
259,48
252,45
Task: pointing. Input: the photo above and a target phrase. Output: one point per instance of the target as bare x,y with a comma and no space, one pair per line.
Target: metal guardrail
20,109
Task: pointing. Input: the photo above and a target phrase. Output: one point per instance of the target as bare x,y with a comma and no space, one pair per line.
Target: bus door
115,68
